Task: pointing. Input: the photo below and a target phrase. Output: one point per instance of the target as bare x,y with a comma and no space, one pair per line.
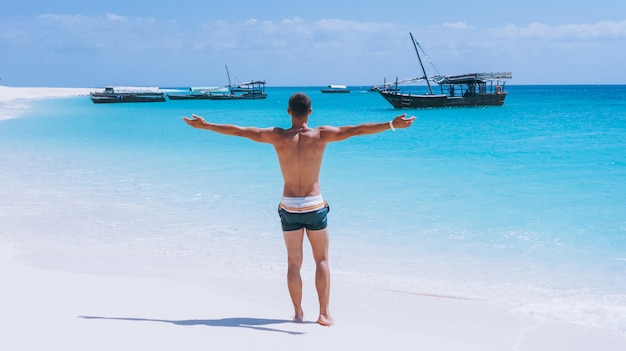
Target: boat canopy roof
254,82
208,89
472,78
337,86
130,89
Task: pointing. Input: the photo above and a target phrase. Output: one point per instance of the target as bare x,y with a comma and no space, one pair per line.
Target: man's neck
299,122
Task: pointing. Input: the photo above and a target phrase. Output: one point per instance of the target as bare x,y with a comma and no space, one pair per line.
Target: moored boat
336,88
242,91
127,94
249,90
466,90
198,93
189,96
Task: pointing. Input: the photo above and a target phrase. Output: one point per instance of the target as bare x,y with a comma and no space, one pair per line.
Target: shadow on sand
251,323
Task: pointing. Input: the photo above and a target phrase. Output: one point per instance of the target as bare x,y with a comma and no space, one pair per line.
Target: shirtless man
300,150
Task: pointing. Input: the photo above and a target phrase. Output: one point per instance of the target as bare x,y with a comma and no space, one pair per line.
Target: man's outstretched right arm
257,134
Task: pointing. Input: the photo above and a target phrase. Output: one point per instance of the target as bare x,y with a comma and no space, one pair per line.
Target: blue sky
73,43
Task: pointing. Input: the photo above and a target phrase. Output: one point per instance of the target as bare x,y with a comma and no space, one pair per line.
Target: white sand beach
46,308
53,310
12,99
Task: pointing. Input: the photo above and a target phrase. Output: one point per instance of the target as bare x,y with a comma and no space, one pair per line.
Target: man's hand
195,121
402,121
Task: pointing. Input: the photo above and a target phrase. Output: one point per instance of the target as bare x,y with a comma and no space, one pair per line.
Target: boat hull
247,96
105,98
188,96
398,100
335,91
209,96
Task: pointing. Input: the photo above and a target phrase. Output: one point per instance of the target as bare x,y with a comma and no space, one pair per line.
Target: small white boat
334,88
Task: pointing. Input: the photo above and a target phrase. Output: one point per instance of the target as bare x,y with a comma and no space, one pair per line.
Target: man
300,150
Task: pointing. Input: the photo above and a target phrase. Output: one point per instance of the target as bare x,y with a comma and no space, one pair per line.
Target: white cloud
113,17
457,25
293,20
62,20
600,30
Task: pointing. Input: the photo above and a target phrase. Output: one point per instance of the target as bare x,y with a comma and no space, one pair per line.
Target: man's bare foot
299,317
326,321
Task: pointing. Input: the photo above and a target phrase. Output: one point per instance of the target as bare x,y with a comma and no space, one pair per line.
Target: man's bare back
300,150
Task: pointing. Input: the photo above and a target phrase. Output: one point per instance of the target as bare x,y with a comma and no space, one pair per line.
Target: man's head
299,105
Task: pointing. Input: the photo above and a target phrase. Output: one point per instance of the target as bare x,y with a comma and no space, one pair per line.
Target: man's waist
302,204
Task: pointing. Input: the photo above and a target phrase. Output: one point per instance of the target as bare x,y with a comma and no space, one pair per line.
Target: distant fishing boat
473,89
248,90
336,88
198,93
242,91
127,94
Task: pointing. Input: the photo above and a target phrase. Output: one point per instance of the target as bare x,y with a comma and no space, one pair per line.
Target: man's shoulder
327,128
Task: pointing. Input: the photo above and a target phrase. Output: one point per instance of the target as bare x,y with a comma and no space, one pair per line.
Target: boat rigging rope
428,58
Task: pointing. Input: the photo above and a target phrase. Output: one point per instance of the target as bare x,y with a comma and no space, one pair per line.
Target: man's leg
319,243
293,242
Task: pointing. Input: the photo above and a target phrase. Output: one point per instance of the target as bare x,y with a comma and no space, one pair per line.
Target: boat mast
230,86
422,65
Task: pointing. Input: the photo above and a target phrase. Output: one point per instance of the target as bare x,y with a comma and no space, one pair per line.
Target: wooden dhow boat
465,90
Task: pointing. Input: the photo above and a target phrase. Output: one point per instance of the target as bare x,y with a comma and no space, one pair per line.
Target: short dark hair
299,104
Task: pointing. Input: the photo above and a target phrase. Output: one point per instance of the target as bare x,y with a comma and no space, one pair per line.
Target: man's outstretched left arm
341,133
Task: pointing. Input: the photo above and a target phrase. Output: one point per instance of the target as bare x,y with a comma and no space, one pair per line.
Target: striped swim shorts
308,212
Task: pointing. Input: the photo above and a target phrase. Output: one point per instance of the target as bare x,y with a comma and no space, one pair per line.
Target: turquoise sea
522,205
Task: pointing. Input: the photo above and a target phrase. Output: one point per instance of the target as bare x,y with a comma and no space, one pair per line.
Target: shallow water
521,204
